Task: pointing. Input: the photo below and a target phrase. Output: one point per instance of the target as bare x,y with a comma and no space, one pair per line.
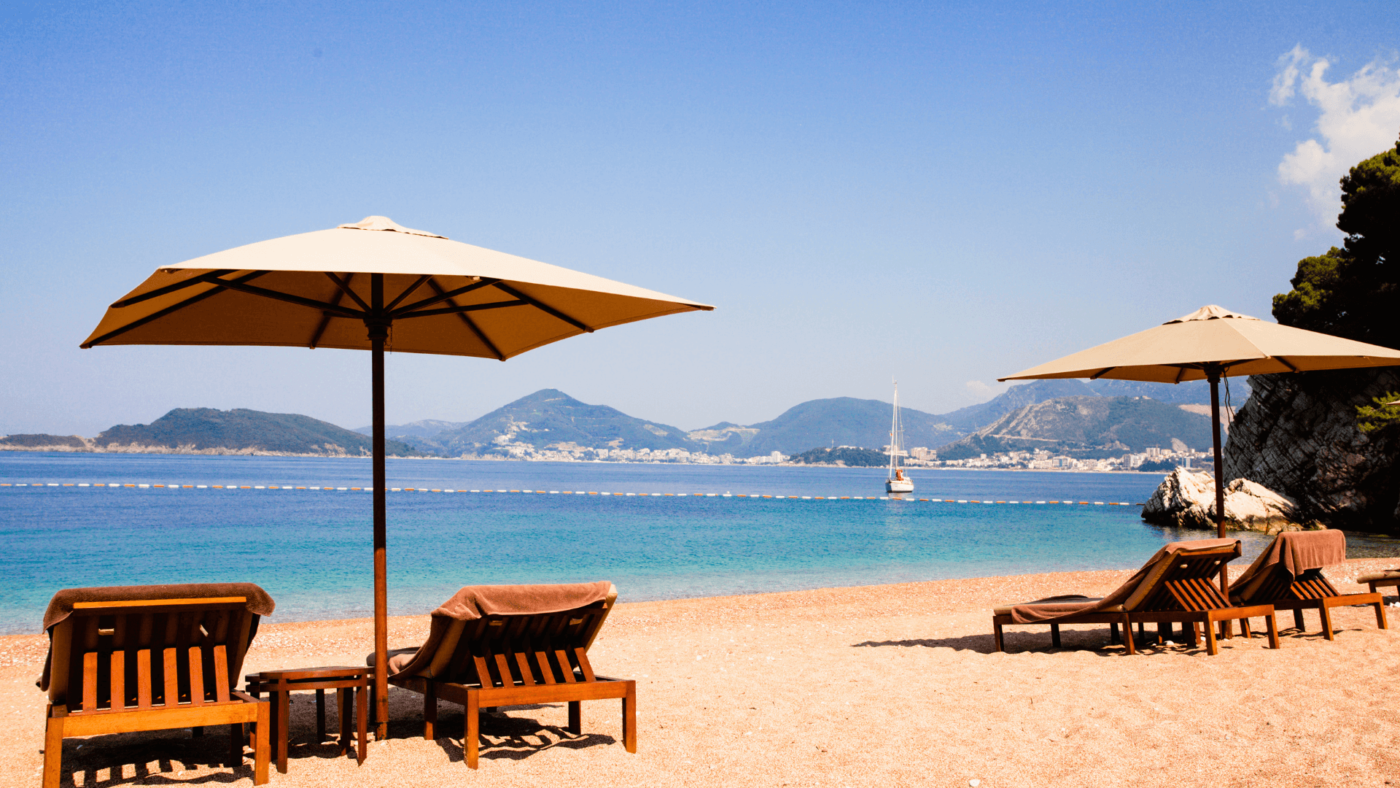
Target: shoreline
893,684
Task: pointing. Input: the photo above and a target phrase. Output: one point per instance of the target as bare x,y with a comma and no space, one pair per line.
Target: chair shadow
128,758
509,738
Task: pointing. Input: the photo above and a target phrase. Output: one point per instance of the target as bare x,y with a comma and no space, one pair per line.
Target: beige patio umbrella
1209,344
374,285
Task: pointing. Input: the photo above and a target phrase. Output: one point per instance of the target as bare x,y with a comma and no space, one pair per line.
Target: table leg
281,725
320,716
343,701
361,708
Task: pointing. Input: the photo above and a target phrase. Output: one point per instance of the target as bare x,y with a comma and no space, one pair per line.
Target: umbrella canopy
1213,339
367,286
1209,344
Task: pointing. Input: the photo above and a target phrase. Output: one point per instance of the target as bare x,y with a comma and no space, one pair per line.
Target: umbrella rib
437,299
1101,373
160,291
470,324
345,288
407,292
162,313
543,307
457,310
291,299
326,316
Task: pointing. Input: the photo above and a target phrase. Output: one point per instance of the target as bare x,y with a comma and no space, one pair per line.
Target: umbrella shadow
1090,641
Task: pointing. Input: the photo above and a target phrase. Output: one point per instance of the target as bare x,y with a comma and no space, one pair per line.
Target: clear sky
939,192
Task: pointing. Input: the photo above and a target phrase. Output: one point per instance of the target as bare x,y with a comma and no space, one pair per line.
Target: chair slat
546,671
221,676
564,666
143,679
118,681
583,665
483,673
522,659
503,668
90,679
196,657
171,672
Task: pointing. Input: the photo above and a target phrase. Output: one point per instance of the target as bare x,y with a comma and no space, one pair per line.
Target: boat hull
899,486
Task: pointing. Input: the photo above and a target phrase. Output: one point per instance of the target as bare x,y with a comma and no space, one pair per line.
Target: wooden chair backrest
1281,586
1185,581
109,656
503,651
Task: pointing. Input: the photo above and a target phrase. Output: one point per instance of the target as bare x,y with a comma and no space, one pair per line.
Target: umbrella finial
385,224
1210,312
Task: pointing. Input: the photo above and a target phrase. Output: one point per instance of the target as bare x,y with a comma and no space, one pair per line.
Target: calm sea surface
311,549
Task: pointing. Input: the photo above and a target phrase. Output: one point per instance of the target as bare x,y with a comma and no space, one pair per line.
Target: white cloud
1358,118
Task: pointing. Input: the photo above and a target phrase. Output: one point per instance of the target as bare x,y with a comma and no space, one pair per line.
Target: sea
698,531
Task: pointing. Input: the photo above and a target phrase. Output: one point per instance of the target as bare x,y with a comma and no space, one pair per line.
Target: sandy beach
880,685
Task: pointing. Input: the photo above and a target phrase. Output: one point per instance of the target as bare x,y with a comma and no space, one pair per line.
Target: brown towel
474,602
1046,610
61,606
1292,553
62,603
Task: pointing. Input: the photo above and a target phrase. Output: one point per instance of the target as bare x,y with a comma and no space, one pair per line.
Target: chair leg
235,745
1113,637
1380,615
261,745
575,717
53,751
629,718
1193,633
997,634
344,705
1326,621
1211,647
430,710
320,716
1272,623
1298,620
1244,629
281,715
1055,635
471,744
1128,635
362,706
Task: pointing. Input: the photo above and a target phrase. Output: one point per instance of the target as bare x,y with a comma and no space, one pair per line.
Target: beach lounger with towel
492,646
1178,584
1288,575
147,658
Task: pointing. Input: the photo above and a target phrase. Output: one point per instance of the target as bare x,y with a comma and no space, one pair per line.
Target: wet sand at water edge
880,685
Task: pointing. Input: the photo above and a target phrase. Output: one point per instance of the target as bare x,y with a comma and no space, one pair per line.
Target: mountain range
1094,418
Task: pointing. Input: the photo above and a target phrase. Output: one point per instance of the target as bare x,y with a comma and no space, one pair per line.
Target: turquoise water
311,549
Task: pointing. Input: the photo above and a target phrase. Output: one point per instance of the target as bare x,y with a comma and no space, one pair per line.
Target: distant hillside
1086,427
843,455
975,417
241,431
550,417
425,428
841,421
1196,392
42,442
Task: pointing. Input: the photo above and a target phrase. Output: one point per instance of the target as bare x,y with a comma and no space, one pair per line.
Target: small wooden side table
351,685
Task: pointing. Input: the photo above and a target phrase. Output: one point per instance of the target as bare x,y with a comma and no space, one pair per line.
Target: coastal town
1153,459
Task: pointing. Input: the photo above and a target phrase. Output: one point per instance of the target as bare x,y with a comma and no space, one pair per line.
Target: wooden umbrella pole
378,332
1213,373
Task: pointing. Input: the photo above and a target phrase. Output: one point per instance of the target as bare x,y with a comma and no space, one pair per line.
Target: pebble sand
881,685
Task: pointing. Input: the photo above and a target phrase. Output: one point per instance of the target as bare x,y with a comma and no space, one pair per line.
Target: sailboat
897,481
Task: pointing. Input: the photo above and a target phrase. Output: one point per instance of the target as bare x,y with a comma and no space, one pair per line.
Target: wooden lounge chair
1288,575
1381,579
1176,585
494,646
145,658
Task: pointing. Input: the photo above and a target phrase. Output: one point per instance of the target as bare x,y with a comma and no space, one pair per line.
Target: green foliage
1354,292
1380,414
851,457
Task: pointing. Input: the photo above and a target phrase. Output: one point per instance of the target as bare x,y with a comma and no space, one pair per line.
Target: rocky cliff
1298,435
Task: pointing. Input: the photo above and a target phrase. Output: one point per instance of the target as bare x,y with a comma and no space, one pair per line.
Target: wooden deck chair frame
1312,591
1178,589
121,667
521,659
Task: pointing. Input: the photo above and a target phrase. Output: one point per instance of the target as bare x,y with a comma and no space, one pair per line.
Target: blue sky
943,193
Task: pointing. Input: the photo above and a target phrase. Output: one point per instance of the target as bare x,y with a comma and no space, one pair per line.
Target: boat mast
894,433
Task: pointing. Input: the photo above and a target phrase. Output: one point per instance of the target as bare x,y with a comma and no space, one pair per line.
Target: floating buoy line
320,488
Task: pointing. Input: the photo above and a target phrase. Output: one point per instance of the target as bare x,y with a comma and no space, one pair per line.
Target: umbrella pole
1213,374
378,332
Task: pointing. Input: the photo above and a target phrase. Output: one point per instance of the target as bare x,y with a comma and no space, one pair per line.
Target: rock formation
1298,435
1187,500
